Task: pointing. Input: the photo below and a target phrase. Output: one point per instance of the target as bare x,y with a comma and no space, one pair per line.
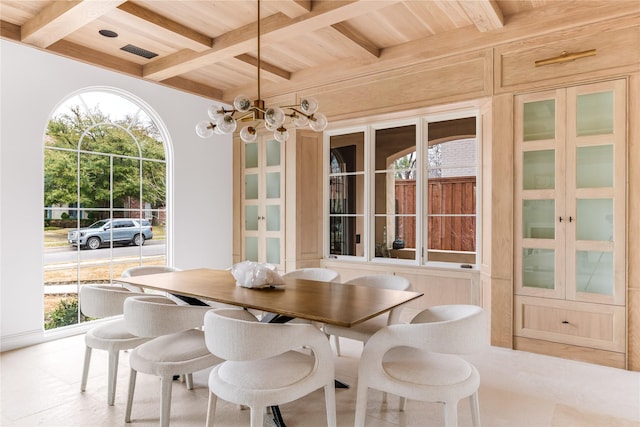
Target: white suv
119,230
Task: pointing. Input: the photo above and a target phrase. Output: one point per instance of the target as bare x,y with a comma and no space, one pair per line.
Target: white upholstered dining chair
143,270
177,346
102,301
363,331
266,364
420,360
314,273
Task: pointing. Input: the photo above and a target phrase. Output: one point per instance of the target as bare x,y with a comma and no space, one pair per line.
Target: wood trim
615,42
573,352
589,325
633,223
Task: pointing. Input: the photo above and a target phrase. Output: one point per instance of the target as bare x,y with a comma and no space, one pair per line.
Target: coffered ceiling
210,47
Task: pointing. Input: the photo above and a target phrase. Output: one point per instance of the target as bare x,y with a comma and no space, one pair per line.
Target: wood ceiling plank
95,57
275,28
356,38
61,18
203,41
520,27
485,14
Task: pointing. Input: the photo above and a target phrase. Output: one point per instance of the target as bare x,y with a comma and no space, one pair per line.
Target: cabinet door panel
263,201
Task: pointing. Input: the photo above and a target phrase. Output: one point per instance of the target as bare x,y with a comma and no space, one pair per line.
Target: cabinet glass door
263,192
595,147
540,197
570,200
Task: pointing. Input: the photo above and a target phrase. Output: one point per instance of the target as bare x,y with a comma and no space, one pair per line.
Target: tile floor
40,386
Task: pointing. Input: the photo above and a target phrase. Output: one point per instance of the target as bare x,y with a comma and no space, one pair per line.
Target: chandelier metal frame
223,121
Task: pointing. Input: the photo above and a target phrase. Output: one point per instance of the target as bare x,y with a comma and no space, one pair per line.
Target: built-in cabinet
274,192
570,271
263,207
602,315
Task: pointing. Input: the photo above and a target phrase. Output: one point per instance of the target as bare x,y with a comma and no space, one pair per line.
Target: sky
114,105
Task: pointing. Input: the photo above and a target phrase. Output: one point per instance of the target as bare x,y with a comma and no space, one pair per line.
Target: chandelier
224,121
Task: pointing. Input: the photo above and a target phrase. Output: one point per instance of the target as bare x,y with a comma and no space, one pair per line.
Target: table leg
277,416
340,384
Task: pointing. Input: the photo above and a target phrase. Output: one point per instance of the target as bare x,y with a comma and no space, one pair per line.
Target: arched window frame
141,108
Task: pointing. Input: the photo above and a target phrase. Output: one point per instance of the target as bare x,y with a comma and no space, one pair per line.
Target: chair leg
165,400
113,376
451,414
361,405
330,402
211,409
257,417
132,387
189,381
85,368
475,409
336,341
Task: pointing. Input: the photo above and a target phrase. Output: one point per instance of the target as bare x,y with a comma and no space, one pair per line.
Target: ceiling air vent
139,51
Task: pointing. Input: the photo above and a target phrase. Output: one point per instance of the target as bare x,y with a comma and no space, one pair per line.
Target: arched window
105,196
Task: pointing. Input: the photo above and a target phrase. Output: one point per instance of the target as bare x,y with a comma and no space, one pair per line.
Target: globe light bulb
248,134
227,124
274,116
270,127
300,121
318,122
309,105
242,103
215,112
204,129
281,134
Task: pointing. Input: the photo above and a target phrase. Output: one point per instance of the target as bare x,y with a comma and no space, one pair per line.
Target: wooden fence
447,196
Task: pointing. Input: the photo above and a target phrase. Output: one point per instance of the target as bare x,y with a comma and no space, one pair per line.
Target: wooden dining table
326,302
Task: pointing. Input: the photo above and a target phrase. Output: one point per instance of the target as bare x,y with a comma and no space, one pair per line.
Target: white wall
32,83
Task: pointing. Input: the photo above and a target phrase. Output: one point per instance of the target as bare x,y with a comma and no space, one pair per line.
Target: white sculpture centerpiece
249,274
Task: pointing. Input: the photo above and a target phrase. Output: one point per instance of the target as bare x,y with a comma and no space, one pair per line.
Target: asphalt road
67,254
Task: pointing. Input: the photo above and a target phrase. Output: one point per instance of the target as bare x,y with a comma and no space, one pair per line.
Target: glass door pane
451,203
594,166
594,272
594,114
594,219
538,268
539,120
346,194
273,250
539,169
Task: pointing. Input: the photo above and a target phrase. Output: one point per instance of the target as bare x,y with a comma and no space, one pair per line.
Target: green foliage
405,166
106,152
66,313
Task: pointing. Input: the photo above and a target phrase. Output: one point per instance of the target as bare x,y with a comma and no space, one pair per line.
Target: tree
110,158
406,166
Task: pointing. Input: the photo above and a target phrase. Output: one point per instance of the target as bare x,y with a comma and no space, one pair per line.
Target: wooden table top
326,302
